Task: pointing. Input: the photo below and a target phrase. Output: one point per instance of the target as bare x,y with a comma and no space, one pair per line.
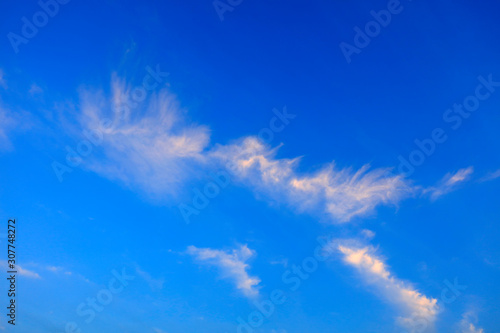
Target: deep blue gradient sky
120,207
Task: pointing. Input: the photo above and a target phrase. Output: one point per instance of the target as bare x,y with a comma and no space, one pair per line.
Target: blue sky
250,166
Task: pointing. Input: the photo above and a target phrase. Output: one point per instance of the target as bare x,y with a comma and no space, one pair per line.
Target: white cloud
154,283
63,271
12,120
27,273
281,261
449,182
374,271
152,147
35,90
20,270
7,123
144,144
470,328
341,193
57,269
54,269
491,176
2,80
368,234
157,330
232,265
466,325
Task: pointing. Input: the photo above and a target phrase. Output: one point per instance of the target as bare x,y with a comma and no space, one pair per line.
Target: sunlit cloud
232,265
466,324
145,144
154,283
27,273
3,83
7,124
64,272
491,176
35,90
342,193
449,183
158,330
20,270
409,302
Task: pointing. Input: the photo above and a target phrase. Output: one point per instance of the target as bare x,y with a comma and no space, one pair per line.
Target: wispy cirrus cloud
12,118
375,272
35,90
154,283
7,124
21,270
62,271
7,121
232,265
449,183
470,328
150,146
158,330
58,269
343,193
27,273
491,176
156,149
3,83
466,325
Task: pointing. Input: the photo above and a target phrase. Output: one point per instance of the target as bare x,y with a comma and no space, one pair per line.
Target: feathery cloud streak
449,183
232,264
341,193
150,146
375,272
466,325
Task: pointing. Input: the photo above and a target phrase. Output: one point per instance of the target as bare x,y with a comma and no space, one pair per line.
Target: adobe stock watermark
449,294
40,19
293,278
202,197
223,6
372,29
94,137
87,310
453,116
